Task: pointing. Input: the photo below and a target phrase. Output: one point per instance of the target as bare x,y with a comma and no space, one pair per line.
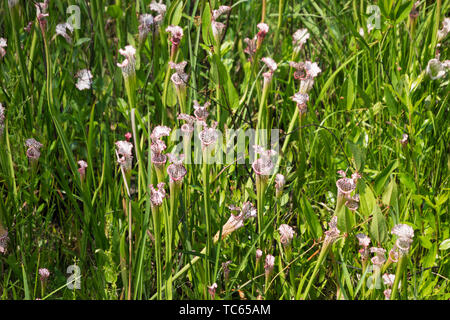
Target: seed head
84,77
62,29
44,274
146,25
286,234
124,150
82,170
201,112
333,232
299,39
212,290
269,264
364,240
160,8
280,181
352,202
3,45
271,64
128,66
176,34
179,78
2,119
259,254
301,99
379,258
157,195
405,236
436,69
176,170
3,240
209,135
442,33
264,165
237,221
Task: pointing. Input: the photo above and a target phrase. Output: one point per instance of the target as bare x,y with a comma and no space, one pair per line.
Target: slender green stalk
401,264
175,188
261,185
323,254
156,214
280,20
206,193
262,114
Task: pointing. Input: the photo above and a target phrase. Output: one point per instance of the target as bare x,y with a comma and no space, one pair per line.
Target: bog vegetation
114,114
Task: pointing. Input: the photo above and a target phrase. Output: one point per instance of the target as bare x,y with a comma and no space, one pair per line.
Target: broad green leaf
81,41
387,195
350,93
311,219
385,7
425,242
408,182
430,258
224,81
445,245
382,177
367,200
25,284
207,34
171,99
403,11
251,193
378,228
177,14
345,220
358,155
114,11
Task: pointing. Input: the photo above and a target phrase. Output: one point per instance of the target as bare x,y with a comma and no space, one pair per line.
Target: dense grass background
372,90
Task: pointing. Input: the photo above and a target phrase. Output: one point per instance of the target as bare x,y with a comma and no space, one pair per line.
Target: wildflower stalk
168,257
14,13
263,13
164,96
138,150
12,178
401,264
220,235
48,64
159,173
261,184
156,214
175,189
32,50
323,254
120,35
262,115
173,54
130,247
98,13
280,20
205,176
293,58
301,146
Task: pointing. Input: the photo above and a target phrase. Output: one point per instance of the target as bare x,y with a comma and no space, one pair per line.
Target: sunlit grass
358,92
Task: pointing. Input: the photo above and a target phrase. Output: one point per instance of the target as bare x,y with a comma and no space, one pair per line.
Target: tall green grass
373,88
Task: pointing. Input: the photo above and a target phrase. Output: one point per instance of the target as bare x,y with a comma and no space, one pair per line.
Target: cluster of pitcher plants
224,150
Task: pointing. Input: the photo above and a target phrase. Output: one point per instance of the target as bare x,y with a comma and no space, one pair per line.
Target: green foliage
373,89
